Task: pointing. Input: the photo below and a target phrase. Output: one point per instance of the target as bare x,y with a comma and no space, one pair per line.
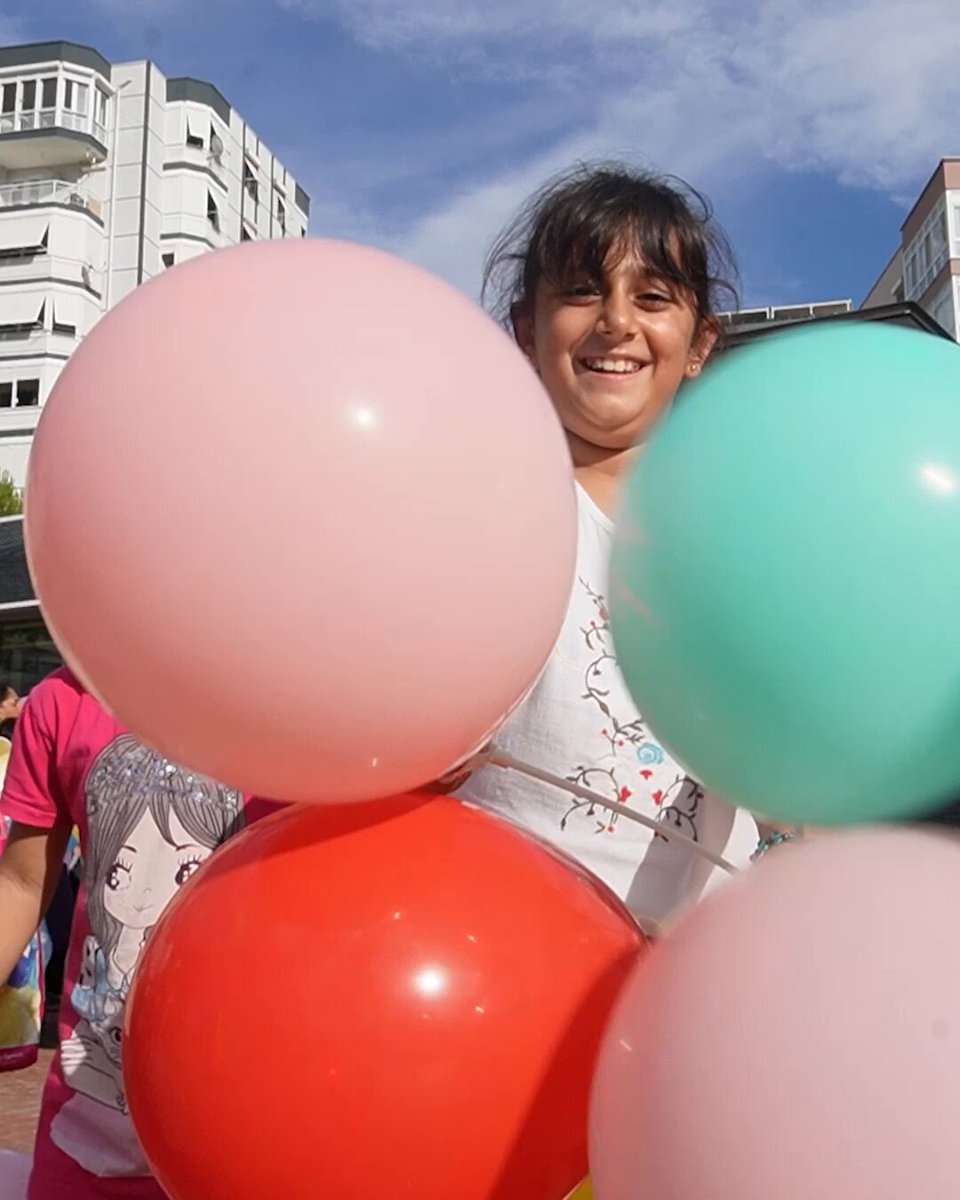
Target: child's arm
29,870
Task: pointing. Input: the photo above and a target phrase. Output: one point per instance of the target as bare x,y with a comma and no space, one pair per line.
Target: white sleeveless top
581,723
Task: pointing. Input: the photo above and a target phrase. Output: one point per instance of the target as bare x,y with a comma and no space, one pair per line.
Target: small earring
695,368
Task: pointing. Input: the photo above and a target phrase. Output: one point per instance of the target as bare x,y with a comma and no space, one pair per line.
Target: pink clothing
145,826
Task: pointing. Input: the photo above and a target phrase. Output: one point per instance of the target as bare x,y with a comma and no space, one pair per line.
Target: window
8,103
250,181
281,215
28,393
167,259
28,248
28,95
194,139
213,213
6,395
245,234
61,326
75,97
18,329
216,145
100,111
48,92
928,253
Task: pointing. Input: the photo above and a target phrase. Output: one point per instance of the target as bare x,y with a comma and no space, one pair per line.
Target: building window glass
28,95
8,103
213,213
250,181
100,113
48,92
28,393
928,253
6,395
75,97
216,146
194,139
281,215
167,259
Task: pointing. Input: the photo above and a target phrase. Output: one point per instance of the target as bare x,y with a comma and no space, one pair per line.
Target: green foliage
11,497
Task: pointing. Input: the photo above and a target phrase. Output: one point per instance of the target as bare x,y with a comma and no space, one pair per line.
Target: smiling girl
609,280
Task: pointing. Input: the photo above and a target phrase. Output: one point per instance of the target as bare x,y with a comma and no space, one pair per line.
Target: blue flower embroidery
649,752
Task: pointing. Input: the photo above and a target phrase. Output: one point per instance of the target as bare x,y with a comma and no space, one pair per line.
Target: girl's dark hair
567,229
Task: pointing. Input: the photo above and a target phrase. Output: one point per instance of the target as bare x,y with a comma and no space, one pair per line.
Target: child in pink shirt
146,825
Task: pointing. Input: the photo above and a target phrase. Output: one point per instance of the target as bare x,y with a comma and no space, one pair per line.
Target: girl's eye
119,875
581,291
655,298
185,870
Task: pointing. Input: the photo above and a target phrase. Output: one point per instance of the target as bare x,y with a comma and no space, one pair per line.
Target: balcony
30,192
50,137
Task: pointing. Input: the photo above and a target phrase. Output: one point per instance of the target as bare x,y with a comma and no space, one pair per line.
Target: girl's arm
29,870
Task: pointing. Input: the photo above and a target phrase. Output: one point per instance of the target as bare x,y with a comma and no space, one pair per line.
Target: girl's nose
618,316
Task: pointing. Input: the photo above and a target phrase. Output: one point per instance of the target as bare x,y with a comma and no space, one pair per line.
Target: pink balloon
303,518
797,1037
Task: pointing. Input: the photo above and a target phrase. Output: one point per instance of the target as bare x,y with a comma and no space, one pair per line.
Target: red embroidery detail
625,795
657,797
646,774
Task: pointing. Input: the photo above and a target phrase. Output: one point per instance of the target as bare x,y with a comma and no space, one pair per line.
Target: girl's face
148,872
613,355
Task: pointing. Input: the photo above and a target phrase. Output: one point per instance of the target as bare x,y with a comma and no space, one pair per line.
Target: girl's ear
702,347
521,318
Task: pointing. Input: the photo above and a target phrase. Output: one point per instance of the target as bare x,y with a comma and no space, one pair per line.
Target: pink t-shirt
145,826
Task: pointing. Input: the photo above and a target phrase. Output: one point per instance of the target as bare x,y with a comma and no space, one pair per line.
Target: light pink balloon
303,518
797,1037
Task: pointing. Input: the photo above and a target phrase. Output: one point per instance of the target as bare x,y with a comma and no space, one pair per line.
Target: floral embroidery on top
678,803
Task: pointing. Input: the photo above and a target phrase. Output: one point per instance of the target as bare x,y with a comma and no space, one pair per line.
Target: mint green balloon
785,592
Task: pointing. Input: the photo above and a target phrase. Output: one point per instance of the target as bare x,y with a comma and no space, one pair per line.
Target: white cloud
865,90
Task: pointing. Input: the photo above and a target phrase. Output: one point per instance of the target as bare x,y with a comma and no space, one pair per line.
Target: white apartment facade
925,267
110,174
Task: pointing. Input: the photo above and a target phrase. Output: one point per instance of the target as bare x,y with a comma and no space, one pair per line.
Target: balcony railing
49,191
52,118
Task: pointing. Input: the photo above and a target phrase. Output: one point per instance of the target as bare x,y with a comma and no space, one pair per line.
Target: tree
11,497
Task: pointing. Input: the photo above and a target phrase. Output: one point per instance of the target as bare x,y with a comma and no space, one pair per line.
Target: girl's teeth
616,366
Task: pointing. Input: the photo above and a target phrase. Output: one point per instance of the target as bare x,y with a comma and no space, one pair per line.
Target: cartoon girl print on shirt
150,826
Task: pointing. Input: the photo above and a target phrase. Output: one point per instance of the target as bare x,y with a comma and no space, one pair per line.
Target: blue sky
418,125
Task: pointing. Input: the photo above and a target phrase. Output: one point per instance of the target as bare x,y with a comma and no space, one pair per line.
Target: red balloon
399,1000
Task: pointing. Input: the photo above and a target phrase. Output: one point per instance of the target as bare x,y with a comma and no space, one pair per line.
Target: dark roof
199,92
905,312
39,52
15,585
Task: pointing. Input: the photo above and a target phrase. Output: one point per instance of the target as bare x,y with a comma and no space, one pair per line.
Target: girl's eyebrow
132,849
188,846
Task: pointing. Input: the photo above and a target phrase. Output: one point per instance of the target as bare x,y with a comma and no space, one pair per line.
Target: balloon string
498,758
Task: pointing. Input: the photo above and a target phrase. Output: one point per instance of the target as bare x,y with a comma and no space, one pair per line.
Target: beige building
925,267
